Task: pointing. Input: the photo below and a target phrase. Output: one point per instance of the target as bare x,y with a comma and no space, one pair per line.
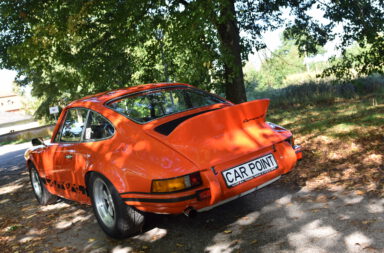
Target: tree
361,21
68,49
283,62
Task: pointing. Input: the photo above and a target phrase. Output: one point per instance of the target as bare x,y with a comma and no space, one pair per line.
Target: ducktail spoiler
223,134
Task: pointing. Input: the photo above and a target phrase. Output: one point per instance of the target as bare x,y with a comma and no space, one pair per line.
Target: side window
97,127
73,125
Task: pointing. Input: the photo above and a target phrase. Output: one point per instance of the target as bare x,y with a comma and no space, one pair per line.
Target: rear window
147,106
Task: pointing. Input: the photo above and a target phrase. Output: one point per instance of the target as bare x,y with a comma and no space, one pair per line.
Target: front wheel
116,218
42,194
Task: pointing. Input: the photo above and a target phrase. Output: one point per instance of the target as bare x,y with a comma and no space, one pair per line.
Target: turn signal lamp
177,183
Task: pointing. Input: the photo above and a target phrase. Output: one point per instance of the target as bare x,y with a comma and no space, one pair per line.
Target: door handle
68,156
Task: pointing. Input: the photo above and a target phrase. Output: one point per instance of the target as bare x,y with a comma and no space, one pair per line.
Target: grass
322,92
341,138
340,119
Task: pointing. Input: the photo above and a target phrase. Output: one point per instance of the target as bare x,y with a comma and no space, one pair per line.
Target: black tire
117,219
43,196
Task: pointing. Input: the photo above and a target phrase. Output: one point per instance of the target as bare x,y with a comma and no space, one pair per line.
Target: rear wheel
41,193
116,218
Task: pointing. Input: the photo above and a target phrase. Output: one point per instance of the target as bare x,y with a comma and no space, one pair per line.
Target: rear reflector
204,194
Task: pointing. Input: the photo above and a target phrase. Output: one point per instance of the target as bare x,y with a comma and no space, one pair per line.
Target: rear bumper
214,191
238,196
175,204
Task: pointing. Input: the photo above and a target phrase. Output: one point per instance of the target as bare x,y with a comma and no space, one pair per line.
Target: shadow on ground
278,218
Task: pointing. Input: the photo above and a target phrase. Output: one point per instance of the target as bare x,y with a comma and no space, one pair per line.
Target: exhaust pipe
190,212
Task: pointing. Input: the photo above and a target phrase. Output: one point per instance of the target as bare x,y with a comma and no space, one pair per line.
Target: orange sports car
163,148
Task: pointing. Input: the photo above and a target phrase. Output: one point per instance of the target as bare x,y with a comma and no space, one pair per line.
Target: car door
67,156
91,151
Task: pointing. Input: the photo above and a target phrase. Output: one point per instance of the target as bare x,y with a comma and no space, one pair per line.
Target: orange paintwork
136,154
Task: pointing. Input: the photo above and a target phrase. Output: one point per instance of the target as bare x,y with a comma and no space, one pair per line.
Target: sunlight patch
119,249
60,205
352,199
373,159
10,188
222,247
248,219
67,223
152,235
376,206
357,241
314,235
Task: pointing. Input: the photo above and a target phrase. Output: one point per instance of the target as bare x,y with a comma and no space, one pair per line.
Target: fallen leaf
227,231
179,245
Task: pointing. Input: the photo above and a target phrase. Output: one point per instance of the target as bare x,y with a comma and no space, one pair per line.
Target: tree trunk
229,36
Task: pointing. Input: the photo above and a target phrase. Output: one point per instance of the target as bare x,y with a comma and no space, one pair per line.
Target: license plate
249,170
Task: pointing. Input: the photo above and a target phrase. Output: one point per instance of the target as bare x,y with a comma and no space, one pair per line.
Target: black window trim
106,104
85,126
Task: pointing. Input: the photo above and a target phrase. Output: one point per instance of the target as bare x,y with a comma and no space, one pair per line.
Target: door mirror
38,141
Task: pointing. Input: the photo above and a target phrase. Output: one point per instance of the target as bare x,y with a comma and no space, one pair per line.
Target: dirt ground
325,205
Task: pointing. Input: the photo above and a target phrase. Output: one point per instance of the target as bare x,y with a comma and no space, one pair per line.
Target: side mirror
38,141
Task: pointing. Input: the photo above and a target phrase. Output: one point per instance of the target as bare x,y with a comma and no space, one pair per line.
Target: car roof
106,96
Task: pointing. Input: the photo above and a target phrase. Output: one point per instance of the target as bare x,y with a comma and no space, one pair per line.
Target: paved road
12,158
277,218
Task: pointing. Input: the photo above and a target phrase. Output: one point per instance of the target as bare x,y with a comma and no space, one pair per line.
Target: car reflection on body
162,148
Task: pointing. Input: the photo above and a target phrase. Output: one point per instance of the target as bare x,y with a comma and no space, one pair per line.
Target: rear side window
98,127
150,105
73,125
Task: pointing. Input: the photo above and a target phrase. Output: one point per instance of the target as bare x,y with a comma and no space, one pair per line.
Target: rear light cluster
291,141
177,183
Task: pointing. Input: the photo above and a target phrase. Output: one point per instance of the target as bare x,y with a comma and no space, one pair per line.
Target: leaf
179,245
227,231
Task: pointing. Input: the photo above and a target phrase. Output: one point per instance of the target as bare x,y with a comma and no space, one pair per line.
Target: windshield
150,105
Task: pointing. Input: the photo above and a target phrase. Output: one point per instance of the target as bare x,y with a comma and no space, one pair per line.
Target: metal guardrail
27,133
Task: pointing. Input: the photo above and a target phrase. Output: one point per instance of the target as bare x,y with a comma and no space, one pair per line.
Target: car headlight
177,183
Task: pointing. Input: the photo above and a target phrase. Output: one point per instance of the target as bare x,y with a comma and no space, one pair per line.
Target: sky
6,79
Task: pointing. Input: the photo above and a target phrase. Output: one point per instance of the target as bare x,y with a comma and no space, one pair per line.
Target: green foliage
358,61
361,21
69,49
283,62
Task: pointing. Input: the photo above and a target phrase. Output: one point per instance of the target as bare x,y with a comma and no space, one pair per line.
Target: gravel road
277,218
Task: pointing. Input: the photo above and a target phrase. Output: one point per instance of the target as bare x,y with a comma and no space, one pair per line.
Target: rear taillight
177,183
291,141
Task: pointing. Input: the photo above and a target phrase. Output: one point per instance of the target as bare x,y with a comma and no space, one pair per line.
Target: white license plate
249,170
